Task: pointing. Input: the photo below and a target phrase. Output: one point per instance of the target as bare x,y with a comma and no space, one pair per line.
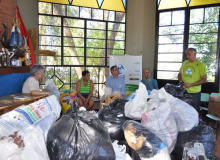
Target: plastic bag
162,123
66,98
52,88
141,140
113,118
188,99
120,151
202,133
40,114
175,90
79,137
23,145
136,107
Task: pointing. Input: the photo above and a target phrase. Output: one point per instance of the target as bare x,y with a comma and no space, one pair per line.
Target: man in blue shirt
117,83
149,82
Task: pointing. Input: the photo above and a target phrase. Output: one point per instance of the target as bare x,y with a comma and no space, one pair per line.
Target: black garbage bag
188,99
113,117
203,134
142,141
175,90
79,137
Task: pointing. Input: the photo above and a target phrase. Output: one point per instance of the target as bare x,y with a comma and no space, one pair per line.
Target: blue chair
204,100
214,118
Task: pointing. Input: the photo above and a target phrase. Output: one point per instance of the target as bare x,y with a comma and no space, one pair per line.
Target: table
8,103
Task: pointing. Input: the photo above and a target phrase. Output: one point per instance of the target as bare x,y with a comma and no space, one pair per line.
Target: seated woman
84,89
31,85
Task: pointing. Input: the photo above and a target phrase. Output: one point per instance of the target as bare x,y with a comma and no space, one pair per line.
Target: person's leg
91,103
196,100
80,101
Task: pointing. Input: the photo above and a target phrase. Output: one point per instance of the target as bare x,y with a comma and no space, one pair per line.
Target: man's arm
201,81
180,77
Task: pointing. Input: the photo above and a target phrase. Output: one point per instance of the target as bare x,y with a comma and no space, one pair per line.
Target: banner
130,68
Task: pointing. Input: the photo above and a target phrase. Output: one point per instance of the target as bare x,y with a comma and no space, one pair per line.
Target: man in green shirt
193,74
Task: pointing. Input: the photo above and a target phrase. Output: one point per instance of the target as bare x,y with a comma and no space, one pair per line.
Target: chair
204,100
214,118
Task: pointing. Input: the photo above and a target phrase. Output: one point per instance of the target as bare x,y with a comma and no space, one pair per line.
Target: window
83,38
182,29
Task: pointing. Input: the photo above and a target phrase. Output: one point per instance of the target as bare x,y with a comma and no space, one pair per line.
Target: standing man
149,82
193,74
116,82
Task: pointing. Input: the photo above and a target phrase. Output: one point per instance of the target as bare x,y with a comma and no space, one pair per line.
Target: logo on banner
121,68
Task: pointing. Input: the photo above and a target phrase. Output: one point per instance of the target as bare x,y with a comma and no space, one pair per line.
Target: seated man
115,82
149,82
31,85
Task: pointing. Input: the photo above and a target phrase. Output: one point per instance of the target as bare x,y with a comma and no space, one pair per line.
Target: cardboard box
214,105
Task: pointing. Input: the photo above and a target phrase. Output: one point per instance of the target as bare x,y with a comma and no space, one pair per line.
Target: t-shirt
30,84
117,84
191,73
150,83
84,89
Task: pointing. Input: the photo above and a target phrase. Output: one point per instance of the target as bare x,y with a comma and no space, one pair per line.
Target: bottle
7,57
3,57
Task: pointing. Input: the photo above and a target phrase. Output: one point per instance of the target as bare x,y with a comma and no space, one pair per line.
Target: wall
140,30
7,13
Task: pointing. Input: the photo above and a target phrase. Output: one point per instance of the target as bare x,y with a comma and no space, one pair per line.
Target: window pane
116,35
170,48
169,66
115,52
203,38
167,75
73,32
74,74
196,15
78,42
204,47
95,61
202,2
203,28
167,4
116,44
165,19
71,51
94,72
96,25
72,11
170,57
49,40
73,23
63,73
171,29
96,34
45,8
171,39
59,9
178,17
97,14
49,60
51,48
45,20
91,52
211,14
73,60
116,27
120,17
85,12
49,30
109,15
95,43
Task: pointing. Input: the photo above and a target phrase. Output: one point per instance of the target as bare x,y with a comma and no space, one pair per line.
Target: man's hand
187,85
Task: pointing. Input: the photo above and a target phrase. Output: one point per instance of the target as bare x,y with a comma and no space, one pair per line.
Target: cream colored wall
29,12
140,30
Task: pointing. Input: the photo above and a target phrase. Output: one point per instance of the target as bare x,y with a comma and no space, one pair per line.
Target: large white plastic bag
120,151
52,88
185,115
162,123
40,114
136,107
34,146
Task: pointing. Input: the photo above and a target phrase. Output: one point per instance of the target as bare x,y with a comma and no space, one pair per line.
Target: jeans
196,100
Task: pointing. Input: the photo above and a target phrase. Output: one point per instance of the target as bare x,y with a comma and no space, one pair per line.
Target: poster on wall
130,68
